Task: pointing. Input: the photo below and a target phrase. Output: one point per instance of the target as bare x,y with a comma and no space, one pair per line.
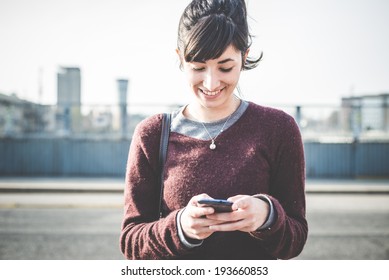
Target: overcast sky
314,51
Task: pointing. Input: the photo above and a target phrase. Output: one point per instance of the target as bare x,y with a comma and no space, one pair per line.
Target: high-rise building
69,86
69,119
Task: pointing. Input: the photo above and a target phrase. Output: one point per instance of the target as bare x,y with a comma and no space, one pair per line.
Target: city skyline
314,51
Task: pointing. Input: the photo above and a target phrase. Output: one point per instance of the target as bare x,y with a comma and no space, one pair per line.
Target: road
87,226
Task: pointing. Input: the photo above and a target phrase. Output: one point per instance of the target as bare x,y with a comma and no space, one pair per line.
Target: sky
315,51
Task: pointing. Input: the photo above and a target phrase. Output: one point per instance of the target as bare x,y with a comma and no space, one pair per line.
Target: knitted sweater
261,153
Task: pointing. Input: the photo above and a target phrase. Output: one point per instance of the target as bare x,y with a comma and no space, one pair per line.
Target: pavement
79,218
66,192
116,185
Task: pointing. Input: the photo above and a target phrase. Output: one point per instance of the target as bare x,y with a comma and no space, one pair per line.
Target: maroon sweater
261,153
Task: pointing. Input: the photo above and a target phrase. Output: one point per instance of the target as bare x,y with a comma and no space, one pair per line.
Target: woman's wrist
271,217
188,242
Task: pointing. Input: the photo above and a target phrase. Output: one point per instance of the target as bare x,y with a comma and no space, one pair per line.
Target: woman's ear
244,57
246,54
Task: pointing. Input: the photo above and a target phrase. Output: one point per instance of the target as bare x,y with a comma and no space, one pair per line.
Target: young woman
219,147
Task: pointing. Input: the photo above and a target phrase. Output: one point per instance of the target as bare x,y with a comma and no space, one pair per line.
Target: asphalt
116,185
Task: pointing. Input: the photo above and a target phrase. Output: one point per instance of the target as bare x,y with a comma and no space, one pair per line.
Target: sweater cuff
271,216
189,244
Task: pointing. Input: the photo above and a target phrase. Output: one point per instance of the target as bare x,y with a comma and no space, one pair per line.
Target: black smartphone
220,205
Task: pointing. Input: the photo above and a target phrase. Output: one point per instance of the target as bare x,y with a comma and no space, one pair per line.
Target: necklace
213,145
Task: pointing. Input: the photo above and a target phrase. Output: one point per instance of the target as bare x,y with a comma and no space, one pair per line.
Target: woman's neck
196,112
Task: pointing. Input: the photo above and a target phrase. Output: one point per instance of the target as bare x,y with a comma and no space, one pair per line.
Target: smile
211,93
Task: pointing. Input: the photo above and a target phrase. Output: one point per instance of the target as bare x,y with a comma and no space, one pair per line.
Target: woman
220,147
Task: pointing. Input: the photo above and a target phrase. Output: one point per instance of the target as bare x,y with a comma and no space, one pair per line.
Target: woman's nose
211,81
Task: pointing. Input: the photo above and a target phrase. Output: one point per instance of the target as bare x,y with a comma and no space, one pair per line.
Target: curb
116,186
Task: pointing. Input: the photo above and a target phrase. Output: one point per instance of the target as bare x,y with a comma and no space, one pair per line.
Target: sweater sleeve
143,235
286,238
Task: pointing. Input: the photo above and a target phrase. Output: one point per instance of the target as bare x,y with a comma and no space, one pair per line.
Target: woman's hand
194,223
248,215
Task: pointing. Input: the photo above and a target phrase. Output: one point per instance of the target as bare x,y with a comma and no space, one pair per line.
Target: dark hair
208,27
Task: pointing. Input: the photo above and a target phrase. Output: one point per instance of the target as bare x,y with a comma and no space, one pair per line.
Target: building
122,90
21,118
69,86
366,113
69,118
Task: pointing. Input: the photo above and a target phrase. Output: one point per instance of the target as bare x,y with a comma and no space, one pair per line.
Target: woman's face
213,81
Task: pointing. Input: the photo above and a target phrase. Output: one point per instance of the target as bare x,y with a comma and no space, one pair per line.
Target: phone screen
220,205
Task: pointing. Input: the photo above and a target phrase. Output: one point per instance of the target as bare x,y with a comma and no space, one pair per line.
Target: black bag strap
166,120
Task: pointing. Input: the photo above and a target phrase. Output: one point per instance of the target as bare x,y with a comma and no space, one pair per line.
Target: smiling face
213,81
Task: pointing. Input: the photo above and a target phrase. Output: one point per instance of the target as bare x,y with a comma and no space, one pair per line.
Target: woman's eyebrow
225,60
219,62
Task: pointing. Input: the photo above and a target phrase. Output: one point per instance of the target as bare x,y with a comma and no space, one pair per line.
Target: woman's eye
198,69
225,70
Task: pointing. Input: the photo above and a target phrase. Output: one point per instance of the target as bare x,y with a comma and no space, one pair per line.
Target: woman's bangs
209,39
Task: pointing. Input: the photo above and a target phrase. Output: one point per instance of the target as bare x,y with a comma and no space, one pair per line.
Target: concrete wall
84,157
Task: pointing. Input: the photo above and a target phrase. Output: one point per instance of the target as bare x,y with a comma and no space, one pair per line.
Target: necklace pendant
213,145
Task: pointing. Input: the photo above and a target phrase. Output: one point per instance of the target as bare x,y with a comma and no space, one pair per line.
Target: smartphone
220,205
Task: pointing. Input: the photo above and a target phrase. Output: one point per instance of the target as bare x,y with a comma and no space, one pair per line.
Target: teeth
211,93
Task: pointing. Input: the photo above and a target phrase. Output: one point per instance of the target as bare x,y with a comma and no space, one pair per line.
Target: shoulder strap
166,120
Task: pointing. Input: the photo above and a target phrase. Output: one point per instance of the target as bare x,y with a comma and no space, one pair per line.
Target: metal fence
63,157
39,140
317,122
86,121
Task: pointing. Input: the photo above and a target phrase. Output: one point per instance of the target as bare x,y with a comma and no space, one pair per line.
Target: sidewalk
116,185
61,184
